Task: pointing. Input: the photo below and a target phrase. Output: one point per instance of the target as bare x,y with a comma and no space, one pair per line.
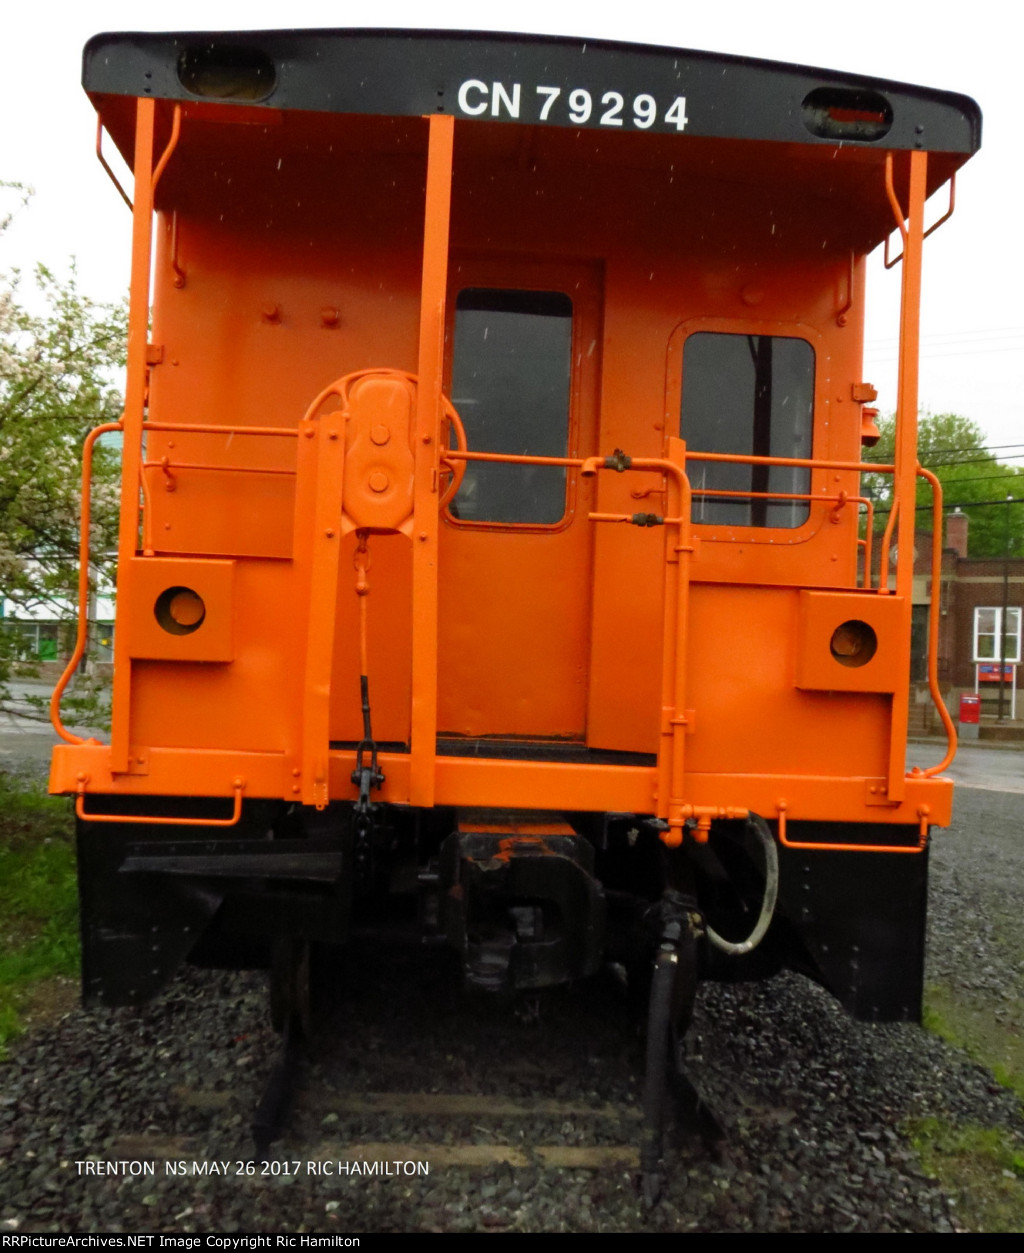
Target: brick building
971,607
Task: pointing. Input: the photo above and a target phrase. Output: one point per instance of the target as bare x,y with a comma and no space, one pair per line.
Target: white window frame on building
994,660
1013,634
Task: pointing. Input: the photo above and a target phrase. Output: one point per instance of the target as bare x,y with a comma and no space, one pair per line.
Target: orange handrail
811,463
838,499
215,428
238,787
829,847
172,143
933,630
103,161
168,467
82,635
897,209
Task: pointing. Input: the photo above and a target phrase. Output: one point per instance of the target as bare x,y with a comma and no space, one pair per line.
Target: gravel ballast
815,1106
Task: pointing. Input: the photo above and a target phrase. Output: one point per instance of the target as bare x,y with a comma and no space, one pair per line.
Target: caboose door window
748,395
514,564
511,371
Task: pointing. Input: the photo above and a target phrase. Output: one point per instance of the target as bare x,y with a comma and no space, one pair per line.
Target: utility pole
1006,613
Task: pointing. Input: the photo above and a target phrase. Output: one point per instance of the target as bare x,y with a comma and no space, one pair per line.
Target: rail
167,467
84,545
933,630
675,620
839,501
678,551
901,218
237,786
829,846
103,161
82,632
884,565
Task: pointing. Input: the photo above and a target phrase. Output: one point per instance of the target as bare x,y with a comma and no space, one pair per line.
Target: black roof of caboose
811,132
416,73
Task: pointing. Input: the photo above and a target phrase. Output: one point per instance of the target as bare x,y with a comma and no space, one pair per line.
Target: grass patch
982,1166
38,896
997,1043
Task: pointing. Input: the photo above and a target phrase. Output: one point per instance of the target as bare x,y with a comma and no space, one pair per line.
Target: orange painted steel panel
149,633
821,615
168,772
819,554
243,706
751,716
504,784
429,411
542,785
500,597
260,298
134,404
219,510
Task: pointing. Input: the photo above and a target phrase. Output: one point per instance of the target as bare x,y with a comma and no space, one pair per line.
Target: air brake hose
771,891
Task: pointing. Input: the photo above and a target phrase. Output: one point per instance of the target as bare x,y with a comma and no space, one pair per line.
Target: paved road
25,741
988,766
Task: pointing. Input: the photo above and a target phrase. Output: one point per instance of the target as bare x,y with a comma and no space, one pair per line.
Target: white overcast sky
973,326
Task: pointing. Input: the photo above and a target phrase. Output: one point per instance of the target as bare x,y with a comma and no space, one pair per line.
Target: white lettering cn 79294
576,105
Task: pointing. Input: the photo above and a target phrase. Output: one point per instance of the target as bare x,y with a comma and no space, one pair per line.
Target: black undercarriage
523,911
525,901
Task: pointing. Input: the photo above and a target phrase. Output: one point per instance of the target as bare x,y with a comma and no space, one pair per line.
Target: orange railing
671,768
678,549
82,633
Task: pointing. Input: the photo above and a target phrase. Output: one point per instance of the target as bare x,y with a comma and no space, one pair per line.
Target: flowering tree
58,357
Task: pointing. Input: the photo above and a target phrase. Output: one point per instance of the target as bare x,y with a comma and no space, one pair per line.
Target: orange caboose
491,517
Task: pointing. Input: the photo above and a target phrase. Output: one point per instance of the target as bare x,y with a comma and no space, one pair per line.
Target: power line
980,448
970,449
977,461
963,504
982,478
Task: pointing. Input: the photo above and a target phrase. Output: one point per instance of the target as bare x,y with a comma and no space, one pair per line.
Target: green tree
955,449
58,355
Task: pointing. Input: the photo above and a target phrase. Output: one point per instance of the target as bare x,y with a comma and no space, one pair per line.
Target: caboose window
753,395
511,364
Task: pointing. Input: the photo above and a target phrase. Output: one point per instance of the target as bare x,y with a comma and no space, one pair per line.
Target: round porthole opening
854,643
180,610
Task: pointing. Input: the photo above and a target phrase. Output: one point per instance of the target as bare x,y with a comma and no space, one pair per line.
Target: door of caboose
515,555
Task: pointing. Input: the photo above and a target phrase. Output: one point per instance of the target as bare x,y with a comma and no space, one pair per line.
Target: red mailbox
970,709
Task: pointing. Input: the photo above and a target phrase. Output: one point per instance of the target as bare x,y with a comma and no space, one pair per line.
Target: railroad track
406,1067
475,1130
